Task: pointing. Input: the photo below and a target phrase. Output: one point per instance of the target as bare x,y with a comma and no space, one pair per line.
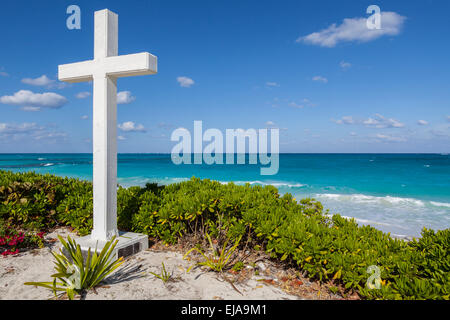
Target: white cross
104,70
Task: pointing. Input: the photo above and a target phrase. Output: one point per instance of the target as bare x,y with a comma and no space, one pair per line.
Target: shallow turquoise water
397,193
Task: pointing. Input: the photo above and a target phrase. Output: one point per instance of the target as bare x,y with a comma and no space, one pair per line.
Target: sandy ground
133,281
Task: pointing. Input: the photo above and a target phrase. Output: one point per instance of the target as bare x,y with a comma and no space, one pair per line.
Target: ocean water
396,193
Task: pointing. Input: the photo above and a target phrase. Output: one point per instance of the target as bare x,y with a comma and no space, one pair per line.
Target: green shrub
328,248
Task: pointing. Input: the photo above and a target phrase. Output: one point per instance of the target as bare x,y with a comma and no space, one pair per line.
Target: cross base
129,244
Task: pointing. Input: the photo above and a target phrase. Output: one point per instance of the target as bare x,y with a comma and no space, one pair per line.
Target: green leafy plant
238,266
325,247
164,275
219,259
74,274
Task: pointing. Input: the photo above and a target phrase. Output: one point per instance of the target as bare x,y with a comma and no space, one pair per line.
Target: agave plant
219,259
165,276
76,275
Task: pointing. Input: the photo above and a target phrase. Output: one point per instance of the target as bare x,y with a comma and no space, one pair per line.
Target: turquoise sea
397,193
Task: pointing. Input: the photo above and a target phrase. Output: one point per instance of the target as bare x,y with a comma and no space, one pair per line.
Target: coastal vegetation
329,248
76,274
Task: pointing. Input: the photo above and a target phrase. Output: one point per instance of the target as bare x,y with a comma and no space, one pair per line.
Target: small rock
261,266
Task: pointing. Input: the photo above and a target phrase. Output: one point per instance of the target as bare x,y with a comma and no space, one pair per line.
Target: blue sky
329,84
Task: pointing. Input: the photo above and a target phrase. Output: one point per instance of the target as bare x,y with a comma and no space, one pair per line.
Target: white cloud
12,128
41,81
85,117
121,138
82,95
355,29
345,65
270,123
422,122
381,122
320,79
13,131
272,84
441,132
125,97
296,105
378,121
302,104
166,126
388,138
59,85
31,109
185,82
130,126
3,73
448,118
353,134
32,101
345,120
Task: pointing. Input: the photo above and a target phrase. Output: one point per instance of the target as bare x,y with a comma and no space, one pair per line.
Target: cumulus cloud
12,128
378,121
441,132
388,138
296,105
166,126
185,82
345,65
381,122
30,101
272,84
320,79
85,117
3,73
270,123
41,81
121,138
355,29
345,120
31,109
27,130
125,97
302,104
83,95
130,126
422,122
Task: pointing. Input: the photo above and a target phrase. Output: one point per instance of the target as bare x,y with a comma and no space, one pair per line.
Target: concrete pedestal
129,243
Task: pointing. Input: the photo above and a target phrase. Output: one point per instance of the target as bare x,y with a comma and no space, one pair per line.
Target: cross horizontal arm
76,72
137,64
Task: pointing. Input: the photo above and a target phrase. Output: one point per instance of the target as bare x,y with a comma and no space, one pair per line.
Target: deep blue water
397,193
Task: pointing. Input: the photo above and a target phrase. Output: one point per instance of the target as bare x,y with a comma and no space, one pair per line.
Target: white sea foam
401,216
142,181
440,204
373,222
385,201
269,183
362,198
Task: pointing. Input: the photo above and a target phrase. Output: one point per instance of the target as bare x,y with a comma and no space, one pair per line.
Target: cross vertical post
105,129
104,70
